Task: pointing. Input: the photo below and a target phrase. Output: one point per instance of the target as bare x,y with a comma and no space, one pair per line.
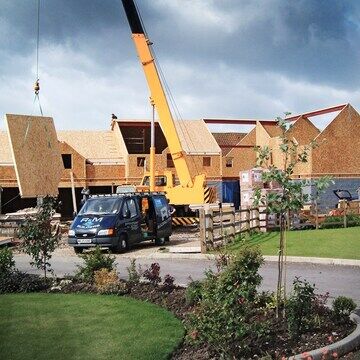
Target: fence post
232,223
210,228
202,231
345,214
247,219
257,218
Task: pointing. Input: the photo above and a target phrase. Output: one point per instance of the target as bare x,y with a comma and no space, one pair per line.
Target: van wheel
122,245
78,250
160,241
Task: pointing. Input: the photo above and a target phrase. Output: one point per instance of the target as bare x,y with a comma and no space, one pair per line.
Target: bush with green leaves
40,236
193,293
134,273
93,261
333,222
343,306
19,282
299,307
226,318
7,262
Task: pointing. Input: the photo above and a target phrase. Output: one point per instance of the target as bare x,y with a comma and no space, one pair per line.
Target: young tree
40,237
290,198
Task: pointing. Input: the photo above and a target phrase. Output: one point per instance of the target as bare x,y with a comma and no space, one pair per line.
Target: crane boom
143,47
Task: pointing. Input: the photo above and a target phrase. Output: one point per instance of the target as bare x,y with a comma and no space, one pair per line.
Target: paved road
338,280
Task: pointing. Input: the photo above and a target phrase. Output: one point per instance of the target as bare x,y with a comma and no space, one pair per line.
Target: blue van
118,221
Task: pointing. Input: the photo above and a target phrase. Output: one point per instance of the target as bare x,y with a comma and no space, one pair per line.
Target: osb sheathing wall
122,146
262,136
195,164
243,158
7,176
303,130
78,167
136,172
102,175
339,146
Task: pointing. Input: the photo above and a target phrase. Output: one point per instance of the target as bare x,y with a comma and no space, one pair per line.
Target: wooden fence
218,225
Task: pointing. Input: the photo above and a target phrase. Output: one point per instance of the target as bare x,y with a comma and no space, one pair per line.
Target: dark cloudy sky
221,58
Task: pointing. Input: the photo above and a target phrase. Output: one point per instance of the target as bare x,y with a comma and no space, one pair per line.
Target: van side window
124,209
132,207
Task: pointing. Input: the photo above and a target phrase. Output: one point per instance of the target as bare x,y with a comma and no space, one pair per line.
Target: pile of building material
10,222
250,181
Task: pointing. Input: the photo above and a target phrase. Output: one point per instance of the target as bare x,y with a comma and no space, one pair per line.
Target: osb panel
121,143
278,157
195,137
5,150
99,173
78,163
94,144
243,159
137,172
272,129
262,136
7,176
195,164
304,168
36,154
250,138
339,145
303,130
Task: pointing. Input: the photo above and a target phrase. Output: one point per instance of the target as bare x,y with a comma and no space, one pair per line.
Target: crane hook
37,87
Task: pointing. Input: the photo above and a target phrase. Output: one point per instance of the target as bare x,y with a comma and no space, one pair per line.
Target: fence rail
218,226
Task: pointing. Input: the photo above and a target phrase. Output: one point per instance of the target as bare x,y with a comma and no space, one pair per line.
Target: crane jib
133,17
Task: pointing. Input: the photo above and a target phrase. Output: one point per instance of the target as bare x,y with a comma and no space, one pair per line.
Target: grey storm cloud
222,58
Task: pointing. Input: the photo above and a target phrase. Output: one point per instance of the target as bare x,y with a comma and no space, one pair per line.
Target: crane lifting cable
175,110
37,82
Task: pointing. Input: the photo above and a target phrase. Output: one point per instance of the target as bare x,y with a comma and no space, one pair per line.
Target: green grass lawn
62,326
327,243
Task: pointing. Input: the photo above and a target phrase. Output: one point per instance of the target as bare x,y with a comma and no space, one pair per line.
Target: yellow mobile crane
192,190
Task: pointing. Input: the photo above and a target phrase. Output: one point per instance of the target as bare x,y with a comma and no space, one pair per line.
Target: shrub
226,318
94,260
299,307
193,292
7,262
107,282
19,282
152,274
134,275
332,222
168,283
343,306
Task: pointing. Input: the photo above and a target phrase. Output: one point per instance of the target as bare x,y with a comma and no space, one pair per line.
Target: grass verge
85,326
326,243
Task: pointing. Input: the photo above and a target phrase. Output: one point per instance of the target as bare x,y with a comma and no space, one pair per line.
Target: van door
163,216
132,220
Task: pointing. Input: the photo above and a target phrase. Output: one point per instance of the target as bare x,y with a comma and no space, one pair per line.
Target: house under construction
102,160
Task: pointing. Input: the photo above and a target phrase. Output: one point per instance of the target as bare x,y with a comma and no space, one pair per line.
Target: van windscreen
101,206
